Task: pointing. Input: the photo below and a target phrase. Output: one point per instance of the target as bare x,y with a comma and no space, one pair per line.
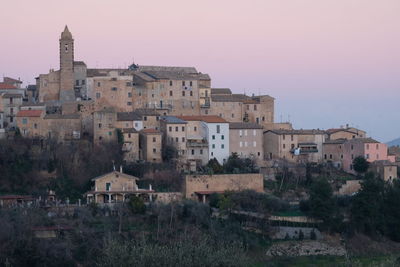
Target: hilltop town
163,135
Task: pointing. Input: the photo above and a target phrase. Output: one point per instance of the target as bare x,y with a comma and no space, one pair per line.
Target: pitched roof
62,116
128,116
11,80
298,132
244,125
229,98
221,91
150,131
7,95
116,173
172,119
208,118
146,112
29,113
7,86
336,141
172,75
367,140
129,130
79,63
168,68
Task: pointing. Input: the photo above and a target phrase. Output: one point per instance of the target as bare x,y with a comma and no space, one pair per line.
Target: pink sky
327,62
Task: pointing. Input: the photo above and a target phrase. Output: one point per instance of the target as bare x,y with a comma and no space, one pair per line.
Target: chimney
120,168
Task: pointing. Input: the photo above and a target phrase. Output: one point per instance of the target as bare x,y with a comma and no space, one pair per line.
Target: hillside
395,142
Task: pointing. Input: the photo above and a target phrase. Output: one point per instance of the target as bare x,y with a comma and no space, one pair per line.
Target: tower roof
66,34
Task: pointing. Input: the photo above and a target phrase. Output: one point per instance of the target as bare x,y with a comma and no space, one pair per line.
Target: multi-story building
240,107
10,104
130,146
130,120
333,151
294,145
385,169
62,127
345,133
174,130
214,131
246,139
150,118
150,143
30,123
104,126
368,148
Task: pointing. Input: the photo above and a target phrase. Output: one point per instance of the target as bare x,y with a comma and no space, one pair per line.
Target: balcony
305,148
196,143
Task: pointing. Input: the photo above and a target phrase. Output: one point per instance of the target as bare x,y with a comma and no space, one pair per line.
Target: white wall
218,147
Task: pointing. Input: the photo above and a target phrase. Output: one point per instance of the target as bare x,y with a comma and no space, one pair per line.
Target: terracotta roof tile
7,86
29,113
209,118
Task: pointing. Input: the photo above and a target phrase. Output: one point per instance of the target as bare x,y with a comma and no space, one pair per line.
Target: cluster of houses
149,108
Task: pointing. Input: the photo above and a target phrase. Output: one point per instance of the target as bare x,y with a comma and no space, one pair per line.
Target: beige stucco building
385,169
150,143
116,187
199,187
345,133
104,126
246,139
294,145
30,123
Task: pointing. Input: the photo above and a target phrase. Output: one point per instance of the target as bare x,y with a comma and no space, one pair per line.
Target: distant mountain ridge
395,142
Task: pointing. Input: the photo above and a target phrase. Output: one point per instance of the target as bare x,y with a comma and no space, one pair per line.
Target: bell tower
67,92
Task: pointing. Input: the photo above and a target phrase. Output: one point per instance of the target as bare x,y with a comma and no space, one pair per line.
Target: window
128,84
233,115
263,118
283,137
183,128
248,107
35,126
367,146
136,124
176,139
114,88
98,84
212,153
170,128
222,146
284,146
11,100
110,133
325,156
254,132
213,137
222,137
108,186
377,146
24,121
113,79
206,111
292,146
129,94
176,128
98,95
154,139
183,93
240,144
291,137
171,93
183,83
192,151
183,139
191,93
99,125
254,144
213,145
170,83
255,107
195,128
240,133
245,144
201,151
341,156
218,128
145,118
129,103
330,156
352,147
77,83
154,150
245,132
191,83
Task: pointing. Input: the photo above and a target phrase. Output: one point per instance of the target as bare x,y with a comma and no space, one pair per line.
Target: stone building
130,146
240,107
345,133
333,151
246,139
200,187
150,118
385,169
129,120
174,133
62,127
30,123
116,187
104,130
294,145
150,143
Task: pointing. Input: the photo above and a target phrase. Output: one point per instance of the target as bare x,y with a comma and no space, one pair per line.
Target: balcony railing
196,143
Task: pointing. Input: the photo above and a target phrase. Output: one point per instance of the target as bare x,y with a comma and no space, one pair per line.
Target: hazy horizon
327,63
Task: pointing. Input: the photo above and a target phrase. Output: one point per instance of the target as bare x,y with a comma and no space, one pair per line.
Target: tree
360,165
169,152
391,210
321,202
366,208
136,205
214,166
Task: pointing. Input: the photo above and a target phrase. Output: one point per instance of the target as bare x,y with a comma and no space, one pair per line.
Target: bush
136,205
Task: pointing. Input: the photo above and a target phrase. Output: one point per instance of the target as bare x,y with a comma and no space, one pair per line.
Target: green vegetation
360,165
234,164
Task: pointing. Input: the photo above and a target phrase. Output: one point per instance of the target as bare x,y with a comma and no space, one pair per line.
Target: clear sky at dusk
327,62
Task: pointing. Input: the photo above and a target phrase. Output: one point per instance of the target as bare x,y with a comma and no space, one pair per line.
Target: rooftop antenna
281,118
289,118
